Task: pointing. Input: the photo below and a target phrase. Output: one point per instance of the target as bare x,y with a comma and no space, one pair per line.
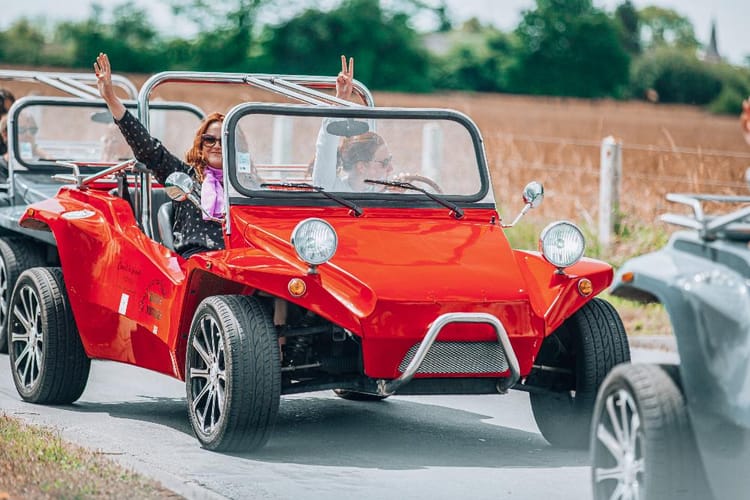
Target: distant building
712,51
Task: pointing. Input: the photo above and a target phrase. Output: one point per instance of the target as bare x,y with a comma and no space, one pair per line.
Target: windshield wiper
457,211
304,185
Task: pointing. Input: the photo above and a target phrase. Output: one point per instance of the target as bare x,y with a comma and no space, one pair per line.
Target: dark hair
358,148
3,126
6,95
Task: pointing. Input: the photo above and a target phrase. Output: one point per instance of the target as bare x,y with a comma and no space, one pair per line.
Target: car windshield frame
40,165
244,196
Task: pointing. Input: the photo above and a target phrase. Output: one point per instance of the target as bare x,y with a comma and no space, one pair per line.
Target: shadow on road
321,429
398,434
393,434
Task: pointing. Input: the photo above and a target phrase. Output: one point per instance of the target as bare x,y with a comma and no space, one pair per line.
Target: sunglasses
28,130
210,140
384,163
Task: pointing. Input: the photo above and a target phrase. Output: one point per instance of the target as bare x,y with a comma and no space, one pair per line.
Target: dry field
665,148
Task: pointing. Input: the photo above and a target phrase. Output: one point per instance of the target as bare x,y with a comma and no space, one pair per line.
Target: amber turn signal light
296,287
585,288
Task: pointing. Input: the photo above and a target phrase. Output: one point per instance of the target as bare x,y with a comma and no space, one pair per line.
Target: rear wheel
16,256
571,366
233,376
47,358
642,445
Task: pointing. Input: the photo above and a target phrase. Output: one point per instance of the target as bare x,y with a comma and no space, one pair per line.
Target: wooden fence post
610,172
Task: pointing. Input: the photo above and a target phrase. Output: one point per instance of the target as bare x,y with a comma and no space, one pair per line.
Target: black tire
577,358
16,256
239,360
660,461
357,396
56,370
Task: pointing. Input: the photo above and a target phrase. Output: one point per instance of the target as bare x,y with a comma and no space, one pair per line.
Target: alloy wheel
26,337
618,450
207,372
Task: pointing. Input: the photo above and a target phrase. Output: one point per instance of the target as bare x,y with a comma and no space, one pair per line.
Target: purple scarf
212,192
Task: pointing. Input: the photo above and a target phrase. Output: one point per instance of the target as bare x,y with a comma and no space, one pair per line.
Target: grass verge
37,463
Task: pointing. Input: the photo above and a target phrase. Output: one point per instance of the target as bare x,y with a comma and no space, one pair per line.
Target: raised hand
104,76
345,78
104,83
745,119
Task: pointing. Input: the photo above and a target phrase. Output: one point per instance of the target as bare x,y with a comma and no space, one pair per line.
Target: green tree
678,76
478,61
629,25
225,30
665,27
388,52
22,43
567,47
129,39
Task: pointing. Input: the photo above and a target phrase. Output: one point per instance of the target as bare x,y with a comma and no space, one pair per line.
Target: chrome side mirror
179,186
533,194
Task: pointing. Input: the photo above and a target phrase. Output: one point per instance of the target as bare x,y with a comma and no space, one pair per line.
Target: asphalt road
323,447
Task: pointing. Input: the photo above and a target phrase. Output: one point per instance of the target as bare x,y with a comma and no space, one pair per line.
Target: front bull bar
388,387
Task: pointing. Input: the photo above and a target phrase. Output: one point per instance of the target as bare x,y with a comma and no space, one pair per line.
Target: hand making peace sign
344,79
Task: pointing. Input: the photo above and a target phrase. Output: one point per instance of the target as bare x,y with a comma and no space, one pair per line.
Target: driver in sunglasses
359,157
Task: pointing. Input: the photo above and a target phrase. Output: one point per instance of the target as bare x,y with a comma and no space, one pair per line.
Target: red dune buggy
406,286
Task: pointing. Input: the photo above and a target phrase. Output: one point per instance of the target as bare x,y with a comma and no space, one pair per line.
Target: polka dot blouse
190,231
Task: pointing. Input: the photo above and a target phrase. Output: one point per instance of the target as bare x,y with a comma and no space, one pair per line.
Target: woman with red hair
194,230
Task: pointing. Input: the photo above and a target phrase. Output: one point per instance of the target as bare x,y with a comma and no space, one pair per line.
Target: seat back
165,221
158,198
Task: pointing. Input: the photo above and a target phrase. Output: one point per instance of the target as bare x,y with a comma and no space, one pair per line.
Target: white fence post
610,172
432,151
282,142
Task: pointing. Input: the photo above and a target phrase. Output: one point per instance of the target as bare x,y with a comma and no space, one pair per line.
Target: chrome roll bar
388,387
83,182
298,87
81,85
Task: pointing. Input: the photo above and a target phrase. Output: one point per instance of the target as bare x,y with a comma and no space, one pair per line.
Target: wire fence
571,169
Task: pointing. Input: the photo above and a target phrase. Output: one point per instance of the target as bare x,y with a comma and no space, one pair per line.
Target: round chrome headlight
315,241
562,244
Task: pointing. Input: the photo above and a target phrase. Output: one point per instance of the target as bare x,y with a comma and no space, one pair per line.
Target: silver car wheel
619,440
26,337
207,372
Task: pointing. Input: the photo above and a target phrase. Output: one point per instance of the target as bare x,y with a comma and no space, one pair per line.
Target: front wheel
47,358
233,375
642,445
570,367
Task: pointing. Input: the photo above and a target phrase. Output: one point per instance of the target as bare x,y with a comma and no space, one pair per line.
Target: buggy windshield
365,153
45,130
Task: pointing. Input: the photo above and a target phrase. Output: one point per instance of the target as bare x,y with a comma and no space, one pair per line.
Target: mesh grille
460,357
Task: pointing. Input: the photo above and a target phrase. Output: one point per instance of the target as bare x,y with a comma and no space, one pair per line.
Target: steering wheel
416,179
